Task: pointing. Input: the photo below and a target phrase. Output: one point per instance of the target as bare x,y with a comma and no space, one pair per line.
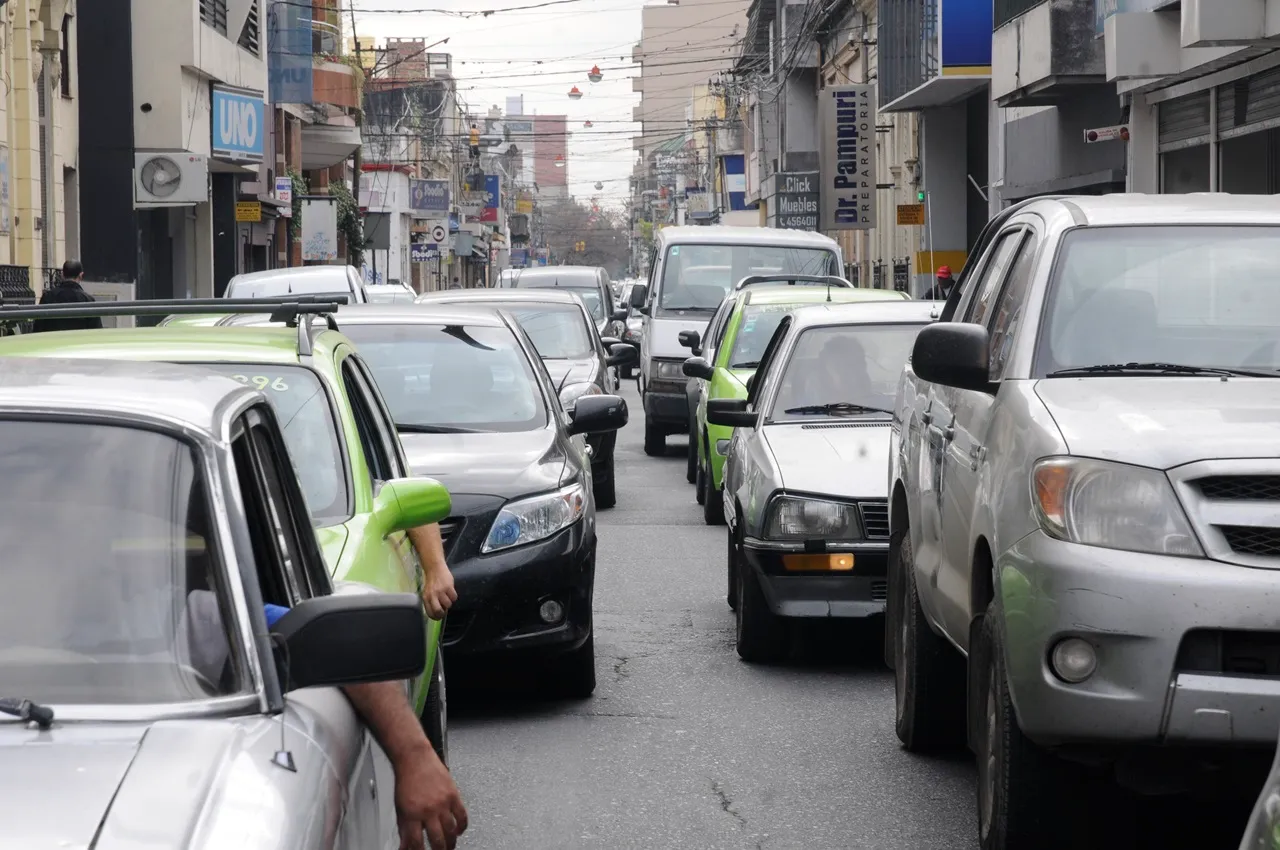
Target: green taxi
337,429
735,341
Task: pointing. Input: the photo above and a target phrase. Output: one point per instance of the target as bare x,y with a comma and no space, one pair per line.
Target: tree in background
604,232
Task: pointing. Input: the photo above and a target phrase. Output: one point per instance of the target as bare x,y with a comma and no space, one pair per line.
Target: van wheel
655,440
1023,790
929,679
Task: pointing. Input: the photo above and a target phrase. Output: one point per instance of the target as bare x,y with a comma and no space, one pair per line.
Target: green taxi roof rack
284,309
793,280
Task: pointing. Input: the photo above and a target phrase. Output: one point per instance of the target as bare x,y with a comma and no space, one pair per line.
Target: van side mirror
954,354
689,339
639,295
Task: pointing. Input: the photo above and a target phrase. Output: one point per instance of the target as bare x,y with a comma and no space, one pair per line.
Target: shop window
1185,170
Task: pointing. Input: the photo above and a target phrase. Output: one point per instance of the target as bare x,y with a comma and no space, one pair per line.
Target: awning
326,145
943,90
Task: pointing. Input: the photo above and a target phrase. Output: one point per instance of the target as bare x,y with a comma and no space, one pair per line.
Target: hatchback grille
875,519
1241,488
879,591
1252,540
449,533
455,626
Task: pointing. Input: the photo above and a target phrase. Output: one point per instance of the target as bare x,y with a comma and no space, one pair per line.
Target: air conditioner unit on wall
169,179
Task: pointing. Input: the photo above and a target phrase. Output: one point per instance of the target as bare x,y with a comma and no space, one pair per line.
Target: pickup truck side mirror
953,354
639,295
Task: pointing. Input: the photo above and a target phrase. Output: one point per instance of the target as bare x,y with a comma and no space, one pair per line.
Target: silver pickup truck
1085,504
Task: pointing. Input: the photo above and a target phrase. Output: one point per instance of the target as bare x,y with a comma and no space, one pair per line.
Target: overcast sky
539,54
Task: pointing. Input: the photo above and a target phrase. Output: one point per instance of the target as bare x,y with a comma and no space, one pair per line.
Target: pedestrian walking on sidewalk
67,291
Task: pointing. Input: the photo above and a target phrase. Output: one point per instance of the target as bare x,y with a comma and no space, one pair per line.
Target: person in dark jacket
942,288
67,291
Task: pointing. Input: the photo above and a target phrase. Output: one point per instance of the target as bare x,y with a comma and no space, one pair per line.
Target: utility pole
357,157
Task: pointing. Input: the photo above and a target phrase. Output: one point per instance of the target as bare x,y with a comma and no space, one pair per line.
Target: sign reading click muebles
847,157
794,203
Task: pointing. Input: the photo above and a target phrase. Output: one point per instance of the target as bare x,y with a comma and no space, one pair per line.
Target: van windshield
696,278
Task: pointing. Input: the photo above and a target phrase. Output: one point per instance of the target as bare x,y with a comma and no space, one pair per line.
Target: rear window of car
337,284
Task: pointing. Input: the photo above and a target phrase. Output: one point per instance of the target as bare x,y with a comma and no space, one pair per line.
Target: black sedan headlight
801,518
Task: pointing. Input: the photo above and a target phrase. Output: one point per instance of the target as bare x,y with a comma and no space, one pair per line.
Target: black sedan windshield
842,370
452,378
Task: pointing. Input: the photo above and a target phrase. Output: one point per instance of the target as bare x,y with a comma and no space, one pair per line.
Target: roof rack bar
288,310
821,279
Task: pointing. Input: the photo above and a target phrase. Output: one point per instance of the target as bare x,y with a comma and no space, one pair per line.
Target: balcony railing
908,46
1006,10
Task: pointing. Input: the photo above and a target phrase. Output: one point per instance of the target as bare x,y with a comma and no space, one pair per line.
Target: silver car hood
845,459
664,335
1163,422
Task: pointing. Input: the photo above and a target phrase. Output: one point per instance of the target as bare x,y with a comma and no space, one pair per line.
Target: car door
696,388
646,320
750,462
996,301
328,742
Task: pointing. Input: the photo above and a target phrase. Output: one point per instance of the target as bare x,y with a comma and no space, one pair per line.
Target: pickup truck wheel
655,440
762,636
435,715
691,467
732,568
1023,791
713,503
929,680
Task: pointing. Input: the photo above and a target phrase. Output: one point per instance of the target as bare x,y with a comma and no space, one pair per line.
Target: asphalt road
686,746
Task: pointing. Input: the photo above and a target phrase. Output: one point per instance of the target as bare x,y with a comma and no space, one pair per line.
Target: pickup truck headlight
796,518
569,395
669,370
536,518
1112,505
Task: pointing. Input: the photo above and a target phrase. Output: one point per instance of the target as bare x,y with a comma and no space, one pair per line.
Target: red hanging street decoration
559,161
587,124
575,93
594,74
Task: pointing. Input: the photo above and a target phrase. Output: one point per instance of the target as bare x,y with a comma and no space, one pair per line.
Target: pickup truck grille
1241,488
875,519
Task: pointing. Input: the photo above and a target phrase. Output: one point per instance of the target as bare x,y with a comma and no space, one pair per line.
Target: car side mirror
953,354
350,640
689,339
620,314
405,503
595,414
639,295
622,354
698,367
751,382
730,412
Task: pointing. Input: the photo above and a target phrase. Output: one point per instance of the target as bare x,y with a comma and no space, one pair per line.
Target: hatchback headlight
536,518
569,395
1112,505
669,370
795,518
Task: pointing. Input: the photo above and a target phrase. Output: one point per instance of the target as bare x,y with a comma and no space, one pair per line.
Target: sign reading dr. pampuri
848,157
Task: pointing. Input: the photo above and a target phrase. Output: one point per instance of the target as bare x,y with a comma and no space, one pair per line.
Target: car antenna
283,757
828,290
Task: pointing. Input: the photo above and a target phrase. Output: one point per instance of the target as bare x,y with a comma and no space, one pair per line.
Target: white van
691,271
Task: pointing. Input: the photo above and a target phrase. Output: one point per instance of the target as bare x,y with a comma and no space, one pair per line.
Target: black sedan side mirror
730,412
639,295
622,354
620,314
954,354
698,367
689,339
350,640
594,414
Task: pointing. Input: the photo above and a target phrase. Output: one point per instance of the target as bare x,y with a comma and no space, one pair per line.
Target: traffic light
920,197
579,246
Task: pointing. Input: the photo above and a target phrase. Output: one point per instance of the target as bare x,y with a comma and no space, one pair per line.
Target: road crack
726,803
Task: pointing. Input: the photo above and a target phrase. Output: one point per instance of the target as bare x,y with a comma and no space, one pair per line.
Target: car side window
1008,311
384,421
376,456
766,375
276,519
986,287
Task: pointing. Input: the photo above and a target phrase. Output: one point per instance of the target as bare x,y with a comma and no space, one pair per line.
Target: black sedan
579,361
476,411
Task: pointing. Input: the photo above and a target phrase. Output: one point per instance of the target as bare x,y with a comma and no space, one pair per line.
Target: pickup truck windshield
843,370
1205,297
112,594
698,277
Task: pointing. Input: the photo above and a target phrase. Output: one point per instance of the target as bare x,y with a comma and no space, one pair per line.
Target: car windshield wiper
1166,368
750,364
28,711
836,408
436,429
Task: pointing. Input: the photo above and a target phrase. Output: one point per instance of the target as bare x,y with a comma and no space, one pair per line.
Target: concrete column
1144,147
944,238
203,259
25,177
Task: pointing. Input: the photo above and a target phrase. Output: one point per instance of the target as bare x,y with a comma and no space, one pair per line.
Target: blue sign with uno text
289,65
237,118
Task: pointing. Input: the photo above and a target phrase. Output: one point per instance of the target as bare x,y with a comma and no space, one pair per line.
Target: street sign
911,215
421,252
1118,133
249,211
439,232
284,194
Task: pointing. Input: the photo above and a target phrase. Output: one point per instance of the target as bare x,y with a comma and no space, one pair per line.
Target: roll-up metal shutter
1249,105
1184,122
